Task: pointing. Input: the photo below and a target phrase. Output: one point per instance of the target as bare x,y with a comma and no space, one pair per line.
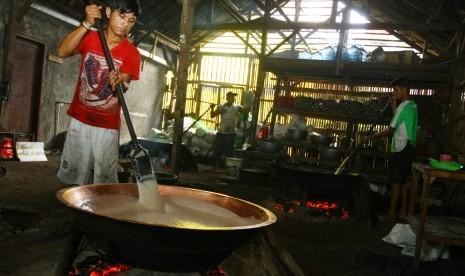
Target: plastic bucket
233,168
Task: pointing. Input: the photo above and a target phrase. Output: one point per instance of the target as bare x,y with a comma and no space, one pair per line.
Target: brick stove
318,191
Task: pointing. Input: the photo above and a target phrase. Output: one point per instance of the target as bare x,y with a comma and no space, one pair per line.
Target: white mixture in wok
174,211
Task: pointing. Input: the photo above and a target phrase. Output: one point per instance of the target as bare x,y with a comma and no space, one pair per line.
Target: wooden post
7,66
16,15
185,41
275,105
260,80
10,41
342,37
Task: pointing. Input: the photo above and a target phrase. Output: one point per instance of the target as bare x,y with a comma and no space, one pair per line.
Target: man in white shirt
226,135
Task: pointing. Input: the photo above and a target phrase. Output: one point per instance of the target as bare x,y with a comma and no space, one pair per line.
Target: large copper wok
161,247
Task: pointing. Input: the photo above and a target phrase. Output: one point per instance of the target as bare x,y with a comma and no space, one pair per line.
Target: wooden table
447,230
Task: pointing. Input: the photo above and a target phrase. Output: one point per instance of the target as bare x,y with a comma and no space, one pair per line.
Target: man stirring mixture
93,135
403,127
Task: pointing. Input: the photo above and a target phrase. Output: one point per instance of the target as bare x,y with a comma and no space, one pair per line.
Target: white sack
403,236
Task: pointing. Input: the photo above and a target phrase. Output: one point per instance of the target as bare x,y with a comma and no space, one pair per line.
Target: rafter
288,20
246,43
234,11
259,4
329,20
202,38
426,10
281,25
281,43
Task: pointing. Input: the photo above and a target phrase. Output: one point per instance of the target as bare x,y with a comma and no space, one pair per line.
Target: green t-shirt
405,123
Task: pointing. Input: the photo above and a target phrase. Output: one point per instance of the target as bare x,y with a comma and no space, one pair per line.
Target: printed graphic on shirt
95,91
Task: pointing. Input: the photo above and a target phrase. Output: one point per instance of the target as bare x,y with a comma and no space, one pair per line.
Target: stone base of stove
133,271
261,255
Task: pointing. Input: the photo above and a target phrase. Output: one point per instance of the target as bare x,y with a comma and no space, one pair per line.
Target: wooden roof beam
263,16
259,4
230,7
426,10
329,20
281,43
201,38
246,43
163,39
288,20
234,11
281,25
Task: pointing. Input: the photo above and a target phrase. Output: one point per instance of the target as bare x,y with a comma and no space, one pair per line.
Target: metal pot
269,146
320,139
255,177
296,135
160,247
166,178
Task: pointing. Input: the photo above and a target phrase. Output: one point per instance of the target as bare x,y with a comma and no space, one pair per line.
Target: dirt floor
34,227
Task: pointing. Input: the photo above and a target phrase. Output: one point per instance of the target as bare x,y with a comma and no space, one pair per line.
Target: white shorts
88,147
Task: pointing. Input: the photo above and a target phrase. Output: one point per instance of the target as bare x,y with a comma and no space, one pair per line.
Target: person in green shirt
403,128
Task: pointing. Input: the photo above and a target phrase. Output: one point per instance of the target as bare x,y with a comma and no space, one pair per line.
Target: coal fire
96,266
312,208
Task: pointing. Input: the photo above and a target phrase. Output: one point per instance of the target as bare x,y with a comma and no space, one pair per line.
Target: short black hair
124,6
401,81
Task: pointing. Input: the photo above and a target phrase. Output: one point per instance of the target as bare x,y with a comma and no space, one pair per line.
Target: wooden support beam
259,4
15,16
260,81
282,34
282,25
10,40
201,38
280,10
161,38
275,104
187,19
166,40
294,38
315,30
233,11
426,9
334,13
342,37
275,6
246,43
281,43
211,7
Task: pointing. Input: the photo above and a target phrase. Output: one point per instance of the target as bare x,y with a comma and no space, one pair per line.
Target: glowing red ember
94,266
314,208
6,148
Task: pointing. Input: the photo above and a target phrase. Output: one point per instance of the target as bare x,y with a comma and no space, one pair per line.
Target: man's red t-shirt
94,103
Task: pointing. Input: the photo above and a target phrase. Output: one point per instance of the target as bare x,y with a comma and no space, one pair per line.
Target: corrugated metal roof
430,26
